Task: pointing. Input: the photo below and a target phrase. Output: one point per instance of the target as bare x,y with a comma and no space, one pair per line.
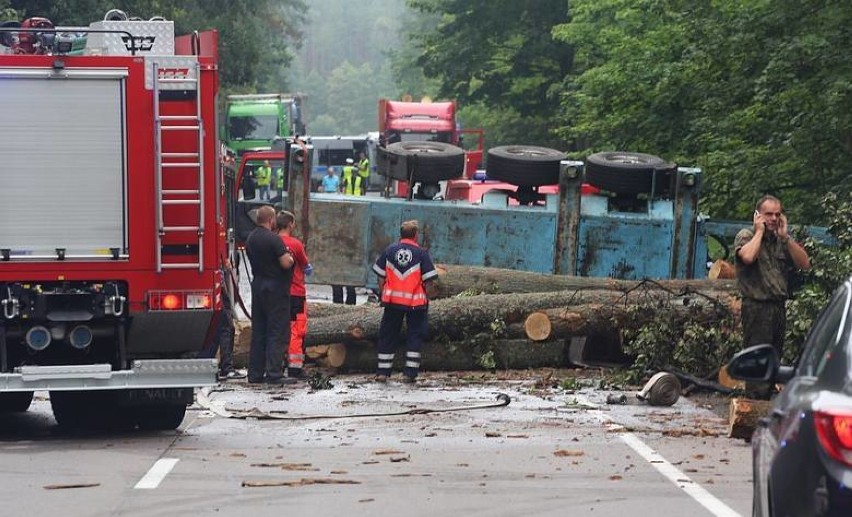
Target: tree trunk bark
458,319
489,355
453,280
744,416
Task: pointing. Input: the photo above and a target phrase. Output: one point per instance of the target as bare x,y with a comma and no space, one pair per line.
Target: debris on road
299,482
663,389
74,485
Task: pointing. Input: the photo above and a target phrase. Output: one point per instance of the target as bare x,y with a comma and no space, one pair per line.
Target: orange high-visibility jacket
404,267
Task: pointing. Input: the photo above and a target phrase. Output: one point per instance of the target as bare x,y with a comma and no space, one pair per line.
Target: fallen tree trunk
493,354
457,319
454,280
324,310
744,416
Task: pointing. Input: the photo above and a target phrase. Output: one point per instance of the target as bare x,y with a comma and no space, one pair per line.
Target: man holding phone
765,255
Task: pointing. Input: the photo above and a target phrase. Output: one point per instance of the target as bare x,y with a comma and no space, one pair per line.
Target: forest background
758,93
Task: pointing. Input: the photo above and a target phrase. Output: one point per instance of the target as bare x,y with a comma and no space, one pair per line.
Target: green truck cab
252,121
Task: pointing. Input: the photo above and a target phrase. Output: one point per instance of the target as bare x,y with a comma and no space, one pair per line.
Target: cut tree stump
537,326
335,357
453,280
744,416
722,270
327,356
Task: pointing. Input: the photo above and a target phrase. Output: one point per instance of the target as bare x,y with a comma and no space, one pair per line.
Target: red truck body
127,223
401,121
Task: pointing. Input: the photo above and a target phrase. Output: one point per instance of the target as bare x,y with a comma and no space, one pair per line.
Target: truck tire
629,173
431,161
15,402
524,165
165,417
89,411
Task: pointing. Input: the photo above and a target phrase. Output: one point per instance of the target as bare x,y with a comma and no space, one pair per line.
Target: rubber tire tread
436,161
164,417
609,172
524,165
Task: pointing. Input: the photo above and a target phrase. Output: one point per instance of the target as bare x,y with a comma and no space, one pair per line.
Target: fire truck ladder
175,162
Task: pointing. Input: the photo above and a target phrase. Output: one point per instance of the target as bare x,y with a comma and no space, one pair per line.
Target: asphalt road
549,452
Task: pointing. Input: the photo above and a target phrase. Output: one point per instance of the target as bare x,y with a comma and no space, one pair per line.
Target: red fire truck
114,218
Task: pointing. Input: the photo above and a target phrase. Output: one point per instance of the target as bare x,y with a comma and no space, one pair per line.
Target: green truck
252,121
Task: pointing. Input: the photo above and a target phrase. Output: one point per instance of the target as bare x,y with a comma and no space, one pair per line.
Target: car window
824,338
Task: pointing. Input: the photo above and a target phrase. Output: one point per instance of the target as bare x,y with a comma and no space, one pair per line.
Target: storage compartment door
62,163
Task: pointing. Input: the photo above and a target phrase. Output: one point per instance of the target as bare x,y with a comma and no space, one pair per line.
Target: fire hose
205,402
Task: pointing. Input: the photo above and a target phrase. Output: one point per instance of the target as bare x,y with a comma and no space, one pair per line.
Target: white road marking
156,474
669,471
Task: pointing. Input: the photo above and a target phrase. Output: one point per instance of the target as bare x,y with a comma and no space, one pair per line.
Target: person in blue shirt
330,182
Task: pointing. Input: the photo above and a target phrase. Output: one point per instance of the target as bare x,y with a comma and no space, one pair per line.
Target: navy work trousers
417,323
270,329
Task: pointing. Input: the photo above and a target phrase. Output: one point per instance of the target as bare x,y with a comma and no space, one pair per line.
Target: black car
802,452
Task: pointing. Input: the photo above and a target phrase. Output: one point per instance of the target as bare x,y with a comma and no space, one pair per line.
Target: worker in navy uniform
272,270
405,273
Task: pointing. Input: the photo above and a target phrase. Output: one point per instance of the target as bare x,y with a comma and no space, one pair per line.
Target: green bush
689,342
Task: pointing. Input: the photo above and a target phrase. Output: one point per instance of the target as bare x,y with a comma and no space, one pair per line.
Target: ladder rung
195,265
180,228
179,117
182,165
180,128
181,201
179,155
180,192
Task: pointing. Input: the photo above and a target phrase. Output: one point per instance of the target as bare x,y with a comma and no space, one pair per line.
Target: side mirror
758,363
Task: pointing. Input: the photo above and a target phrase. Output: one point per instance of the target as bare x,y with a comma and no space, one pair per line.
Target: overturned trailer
648,228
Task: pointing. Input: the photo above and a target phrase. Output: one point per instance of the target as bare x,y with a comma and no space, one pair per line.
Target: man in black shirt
271,265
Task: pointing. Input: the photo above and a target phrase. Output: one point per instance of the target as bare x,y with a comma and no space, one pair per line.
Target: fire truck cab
114,219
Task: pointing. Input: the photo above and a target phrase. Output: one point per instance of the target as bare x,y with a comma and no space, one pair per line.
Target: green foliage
685,341
344,65
487,360
498,327
255,36
757,93
496,56
689,341
830,267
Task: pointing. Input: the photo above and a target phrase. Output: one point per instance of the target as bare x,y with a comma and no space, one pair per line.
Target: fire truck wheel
432,161
524,165
629,173
89,410
162,417
15,402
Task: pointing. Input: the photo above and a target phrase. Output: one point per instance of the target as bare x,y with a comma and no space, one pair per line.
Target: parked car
802,451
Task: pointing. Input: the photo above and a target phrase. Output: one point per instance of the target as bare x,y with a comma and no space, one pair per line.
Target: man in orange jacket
404,270
286,222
